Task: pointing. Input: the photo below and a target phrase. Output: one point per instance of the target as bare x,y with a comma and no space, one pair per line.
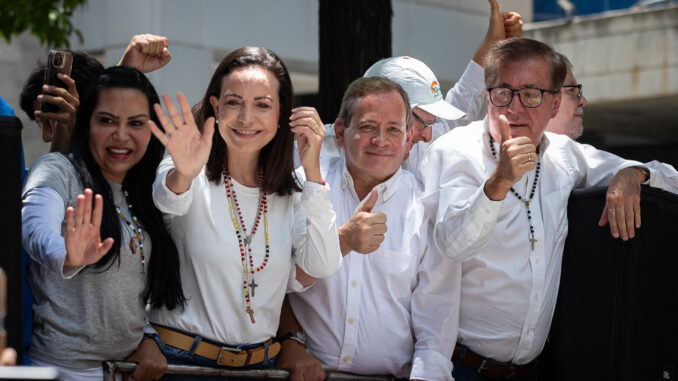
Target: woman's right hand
189,148
83,241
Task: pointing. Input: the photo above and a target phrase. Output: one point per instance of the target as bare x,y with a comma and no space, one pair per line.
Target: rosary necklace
137,231
529,199
245,240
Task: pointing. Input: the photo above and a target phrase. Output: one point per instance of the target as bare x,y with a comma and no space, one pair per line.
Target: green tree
49,20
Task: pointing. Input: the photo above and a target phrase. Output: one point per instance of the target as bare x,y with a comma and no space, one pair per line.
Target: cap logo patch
435,89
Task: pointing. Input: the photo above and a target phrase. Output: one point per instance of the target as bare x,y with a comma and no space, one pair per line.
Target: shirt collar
386,189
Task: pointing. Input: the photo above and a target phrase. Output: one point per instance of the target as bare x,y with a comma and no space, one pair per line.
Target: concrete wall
628,63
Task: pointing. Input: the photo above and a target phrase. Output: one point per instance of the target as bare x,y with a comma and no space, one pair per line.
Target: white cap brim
443,110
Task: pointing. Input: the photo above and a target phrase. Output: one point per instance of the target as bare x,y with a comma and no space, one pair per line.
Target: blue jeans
461,372
181,357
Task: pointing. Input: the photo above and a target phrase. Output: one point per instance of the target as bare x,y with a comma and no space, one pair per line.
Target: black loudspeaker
10,225
617,313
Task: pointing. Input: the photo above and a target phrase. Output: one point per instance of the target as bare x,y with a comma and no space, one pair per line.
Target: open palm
83,240
189,148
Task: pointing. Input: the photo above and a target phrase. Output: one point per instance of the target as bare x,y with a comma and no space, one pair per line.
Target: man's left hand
151,363
622,204
146,52
302,365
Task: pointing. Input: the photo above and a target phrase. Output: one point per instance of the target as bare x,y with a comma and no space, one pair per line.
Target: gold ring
529,156
315,128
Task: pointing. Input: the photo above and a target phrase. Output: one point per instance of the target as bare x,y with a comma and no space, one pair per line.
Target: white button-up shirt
301,229
508,291
393,311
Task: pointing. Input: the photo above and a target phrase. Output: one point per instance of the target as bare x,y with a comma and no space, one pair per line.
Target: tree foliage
49,20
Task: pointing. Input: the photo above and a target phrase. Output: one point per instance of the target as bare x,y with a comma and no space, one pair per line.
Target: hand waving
83,241
189,148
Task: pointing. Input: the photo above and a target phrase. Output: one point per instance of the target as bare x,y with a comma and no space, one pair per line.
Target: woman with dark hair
245,228
90,295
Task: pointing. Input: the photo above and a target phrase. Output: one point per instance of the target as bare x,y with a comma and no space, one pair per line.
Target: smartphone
57,62
3,309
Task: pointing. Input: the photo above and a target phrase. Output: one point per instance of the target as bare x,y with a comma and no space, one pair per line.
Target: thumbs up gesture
516,157
364,232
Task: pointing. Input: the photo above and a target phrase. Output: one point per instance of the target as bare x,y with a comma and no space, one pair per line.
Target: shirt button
351,320
536,297
530,332
345,359
487,211
354,283
536,261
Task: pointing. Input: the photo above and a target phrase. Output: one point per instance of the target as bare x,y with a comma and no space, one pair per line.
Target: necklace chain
136,228
521,199
244,240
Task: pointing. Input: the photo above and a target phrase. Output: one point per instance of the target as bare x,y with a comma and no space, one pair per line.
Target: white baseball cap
419,82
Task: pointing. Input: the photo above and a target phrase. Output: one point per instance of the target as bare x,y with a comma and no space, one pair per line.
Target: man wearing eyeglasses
498,189
569,120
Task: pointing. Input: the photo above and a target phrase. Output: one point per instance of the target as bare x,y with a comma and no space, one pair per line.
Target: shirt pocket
397,272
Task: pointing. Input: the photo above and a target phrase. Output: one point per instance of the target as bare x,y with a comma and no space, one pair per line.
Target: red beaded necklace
245,240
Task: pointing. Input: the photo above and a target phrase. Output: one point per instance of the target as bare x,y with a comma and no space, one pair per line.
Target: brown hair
520,49
368,85
276,157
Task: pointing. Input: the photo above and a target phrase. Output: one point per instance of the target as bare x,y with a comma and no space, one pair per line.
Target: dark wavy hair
276,158
163,283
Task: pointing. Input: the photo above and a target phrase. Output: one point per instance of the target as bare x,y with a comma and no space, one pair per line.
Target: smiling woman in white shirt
245,228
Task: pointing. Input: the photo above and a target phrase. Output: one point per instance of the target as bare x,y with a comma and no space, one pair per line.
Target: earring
216,121
278,126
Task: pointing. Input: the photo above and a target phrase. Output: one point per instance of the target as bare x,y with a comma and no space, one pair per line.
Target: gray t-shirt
95,315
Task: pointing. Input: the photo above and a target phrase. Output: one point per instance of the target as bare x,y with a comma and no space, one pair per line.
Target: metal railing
113,367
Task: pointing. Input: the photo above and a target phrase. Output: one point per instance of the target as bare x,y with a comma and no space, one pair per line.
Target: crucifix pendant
251,313
132,246
532,241
253,285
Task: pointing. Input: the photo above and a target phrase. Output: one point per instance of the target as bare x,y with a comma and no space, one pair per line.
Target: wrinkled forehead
526,72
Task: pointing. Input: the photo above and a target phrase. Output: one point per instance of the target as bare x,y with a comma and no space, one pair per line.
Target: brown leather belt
491,368
222,355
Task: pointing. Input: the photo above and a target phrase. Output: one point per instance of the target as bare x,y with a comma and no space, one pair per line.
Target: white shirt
301,229
468,95
508,291
393,311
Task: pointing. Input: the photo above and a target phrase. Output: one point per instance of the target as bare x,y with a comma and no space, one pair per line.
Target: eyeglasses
578,86
422,121
530,97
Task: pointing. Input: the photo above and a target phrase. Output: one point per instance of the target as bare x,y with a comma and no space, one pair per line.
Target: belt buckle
481,368
235,351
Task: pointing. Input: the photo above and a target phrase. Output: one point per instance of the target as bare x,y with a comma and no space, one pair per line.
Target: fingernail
44,87
40,97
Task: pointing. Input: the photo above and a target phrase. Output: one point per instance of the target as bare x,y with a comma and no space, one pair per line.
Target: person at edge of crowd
499,191
569,120
393,311
141,53
433,115
246,229
98,246
8,356
145,52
